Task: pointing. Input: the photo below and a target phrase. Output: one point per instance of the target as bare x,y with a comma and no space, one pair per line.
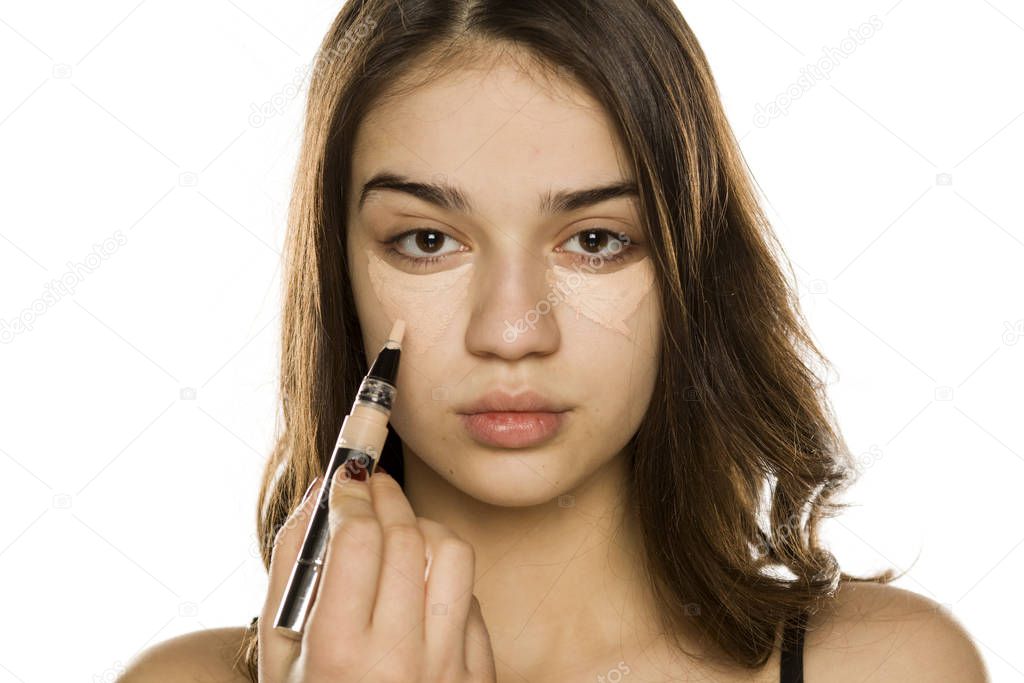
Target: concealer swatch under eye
427,302
609,299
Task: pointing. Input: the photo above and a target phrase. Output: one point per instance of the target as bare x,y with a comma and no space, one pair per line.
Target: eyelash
423,262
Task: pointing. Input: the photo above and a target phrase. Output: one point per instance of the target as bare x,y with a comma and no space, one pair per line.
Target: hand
376,618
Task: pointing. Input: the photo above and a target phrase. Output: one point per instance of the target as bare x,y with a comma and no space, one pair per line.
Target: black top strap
791,669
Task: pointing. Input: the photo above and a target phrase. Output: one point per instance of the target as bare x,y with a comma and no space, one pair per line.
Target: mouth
513,429
503,401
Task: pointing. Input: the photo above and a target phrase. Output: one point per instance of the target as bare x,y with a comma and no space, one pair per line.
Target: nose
513,307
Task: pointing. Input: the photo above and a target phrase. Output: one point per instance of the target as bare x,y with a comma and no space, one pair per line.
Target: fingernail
312,485
348,472
356,469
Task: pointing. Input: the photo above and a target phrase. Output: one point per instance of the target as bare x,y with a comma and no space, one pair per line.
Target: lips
506,419
525,401
513,429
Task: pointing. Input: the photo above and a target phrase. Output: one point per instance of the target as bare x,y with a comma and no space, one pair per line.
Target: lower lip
513,430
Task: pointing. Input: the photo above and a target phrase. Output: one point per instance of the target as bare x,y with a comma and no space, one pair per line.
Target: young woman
549,194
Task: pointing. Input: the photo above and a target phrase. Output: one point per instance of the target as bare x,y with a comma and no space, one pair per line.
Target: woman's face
499,289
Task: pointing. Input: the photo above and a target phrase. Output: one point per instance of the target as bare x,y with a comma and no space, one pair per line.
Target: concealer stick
358,450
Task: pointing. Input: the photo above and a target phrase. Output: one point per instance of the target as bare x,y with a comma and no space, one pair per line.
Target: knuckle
436,529
456,548
324,659
397,670
404,536
424,524
384,479
447,670
359,530
342,488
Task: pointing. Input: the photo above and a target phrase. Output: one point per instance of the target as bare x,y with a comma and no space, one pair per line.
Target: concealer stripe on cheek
427,302
608,299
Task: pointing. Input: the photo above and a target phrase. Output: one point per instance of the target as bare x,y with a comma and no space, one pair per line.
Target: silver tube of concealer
358,450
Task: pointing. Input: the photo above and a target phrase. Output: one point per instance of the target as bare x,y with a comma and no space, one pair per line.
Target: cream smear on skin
427,303
608,299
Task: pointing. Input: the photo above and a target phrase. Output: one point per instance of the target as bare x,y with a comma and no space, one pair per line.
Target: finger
449,593
479,651
399,608
348,584
276,649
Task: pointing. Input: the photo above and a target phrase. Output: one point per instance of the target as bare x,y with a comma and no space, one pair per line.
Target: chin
513,477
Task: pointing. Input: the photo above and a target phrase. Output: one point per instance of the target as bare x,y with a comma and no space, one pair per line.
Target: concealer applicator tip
397,332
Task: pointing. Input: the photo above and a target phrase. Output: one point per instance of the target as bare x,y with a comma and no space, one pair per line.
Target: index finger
348,582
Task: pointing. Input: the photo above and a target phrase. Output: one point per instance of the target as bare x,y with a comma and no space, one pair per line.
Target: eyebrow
451,198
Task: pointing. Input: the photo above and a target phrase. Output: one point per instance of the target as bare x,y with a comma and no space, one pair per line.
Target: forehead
503,133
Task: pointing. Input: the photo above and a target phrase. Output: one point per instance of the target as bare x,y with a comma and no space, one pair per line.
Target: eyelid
422,261
603,227
412,231
617,235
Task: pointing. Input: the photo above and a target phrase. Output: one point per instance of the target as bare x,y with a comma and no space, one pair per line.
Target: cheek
613,320
427,303
612,300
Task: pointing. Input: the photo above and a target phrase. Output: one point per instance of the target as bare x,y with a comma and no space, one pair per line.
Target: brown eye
603,243
421,246
593,240
428,240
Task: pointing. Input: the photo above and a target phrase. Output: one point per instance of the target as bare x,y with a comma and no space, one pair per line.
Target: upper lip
522,401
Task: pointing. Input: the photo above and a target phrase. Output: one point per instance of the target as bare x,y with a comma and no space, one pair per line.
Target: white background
128,512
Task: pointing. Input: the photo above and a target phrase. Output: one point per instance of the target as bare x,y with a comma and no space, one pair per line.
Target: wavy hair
738,459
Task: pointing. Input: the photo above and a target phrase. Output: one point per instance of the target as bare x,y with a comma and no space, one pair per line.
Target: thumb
479,654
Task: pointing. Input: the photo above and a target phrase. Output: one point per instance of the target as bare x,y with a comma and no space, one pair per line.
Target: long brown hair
738,459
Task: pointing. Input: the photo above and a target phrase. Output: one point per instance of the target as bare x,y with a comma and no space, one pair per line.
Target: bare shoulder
206,656
877,632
